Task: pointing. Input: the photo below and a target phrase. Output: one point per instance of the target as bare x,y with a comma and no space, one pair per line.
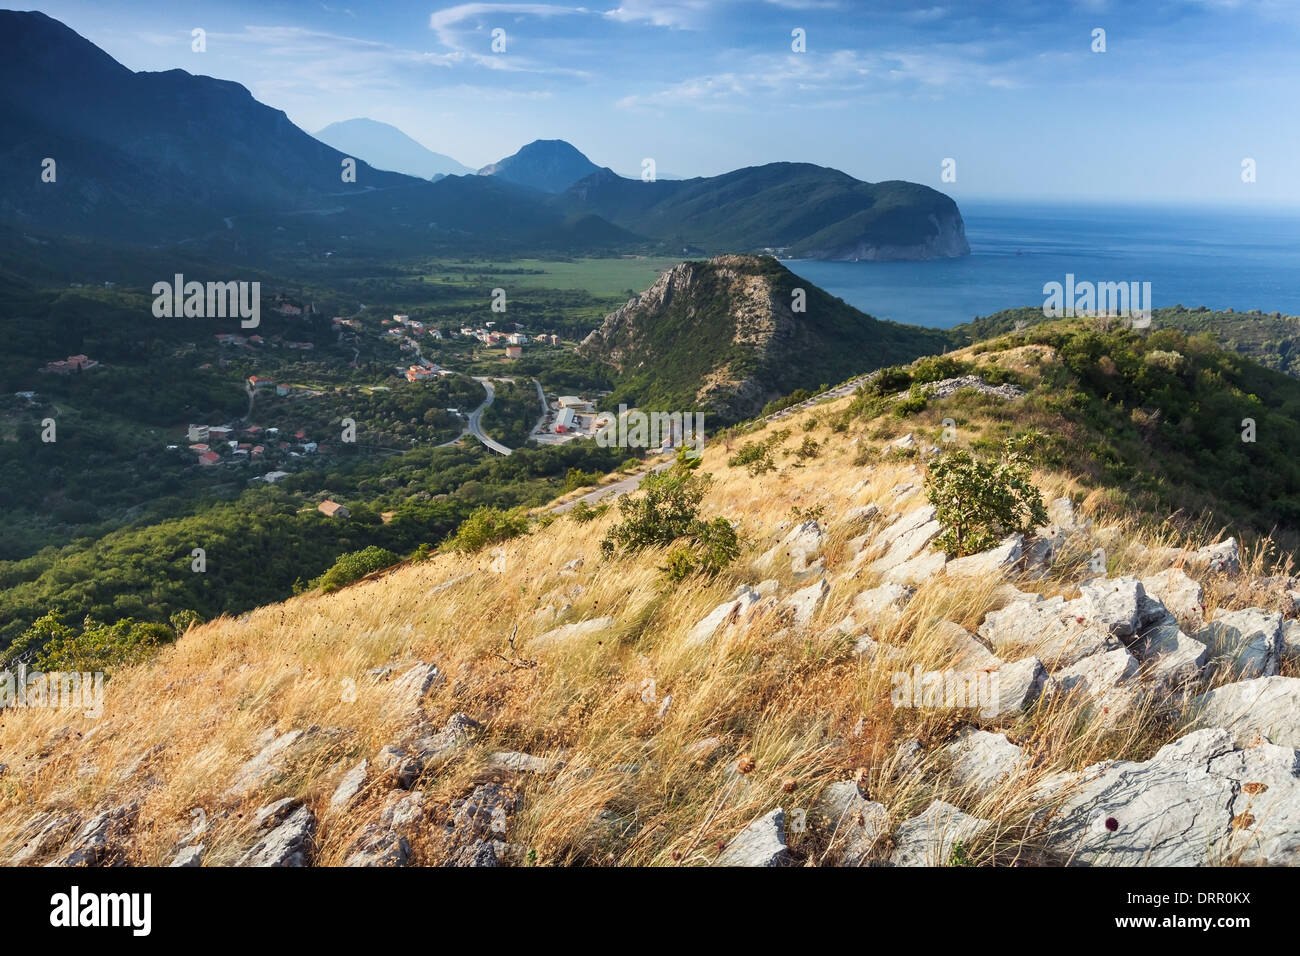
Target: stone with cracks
762,843
1181,595
1018,687
1262,707
289,844
929,839
855,824
1248,642
986,562
807,601
1200,801
569,632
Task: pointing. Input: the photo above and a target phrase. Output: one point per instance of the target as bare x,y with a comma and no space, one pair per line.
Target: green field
600,277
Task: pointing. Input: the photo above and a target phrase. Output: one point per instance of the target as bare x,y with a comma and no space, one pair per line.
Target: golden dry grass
637,787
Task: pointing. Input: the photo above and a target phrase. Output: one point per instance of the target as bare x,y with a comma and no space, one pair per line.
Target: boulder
904,539
981,760
1291,641
515,762
385,843
929,839
348,788
289,844
1004,555
266,764
188,857
569,632
102,840
414,684
1170,659
1050,629
807,601
1248,642
1200,801
1107,679
43,834
1018,687
762,843
917,570
888,599
728,613
855,824
1266,707
1181,595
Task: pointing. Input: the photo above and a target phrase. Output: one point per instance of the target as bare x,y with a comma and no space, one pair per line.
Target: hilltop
551,165
802,210
724,335
531,698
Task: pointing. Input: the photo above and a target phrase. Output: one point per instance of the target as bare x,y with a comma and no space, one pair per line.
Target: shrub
98,647
714,546
893,379
979,501
577,478
353,566
808,449
583,512
668,513
915,402
755,456
935,368
487,525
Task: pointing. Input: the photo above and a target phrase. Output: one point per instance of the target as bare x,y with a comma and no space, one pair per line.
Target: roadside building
564,421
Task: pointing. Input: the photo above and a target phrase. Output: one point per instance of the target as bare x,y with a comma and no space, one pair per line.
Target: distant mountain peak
551,165
384,146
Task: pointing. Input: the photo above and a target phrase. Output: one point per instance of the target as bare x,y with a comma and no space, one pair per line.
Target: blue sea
1220,258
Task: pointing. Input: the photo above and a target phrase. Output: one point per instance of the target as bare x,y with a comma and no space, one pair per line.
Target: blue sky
1012,92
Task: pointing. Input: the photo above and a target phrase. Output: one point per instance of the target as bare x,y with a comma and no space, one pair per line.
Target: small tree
668,513
979,501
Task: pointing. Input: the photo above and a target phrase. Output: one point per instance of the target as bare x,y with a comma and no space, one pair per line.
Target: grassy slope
802,705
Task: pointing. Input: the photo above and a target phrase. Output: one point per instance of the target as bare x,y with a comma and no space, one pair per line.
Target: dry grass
637,788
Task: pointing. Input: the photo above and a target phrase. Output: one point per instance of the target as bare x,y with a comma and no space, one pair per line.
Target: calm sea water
1216,258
